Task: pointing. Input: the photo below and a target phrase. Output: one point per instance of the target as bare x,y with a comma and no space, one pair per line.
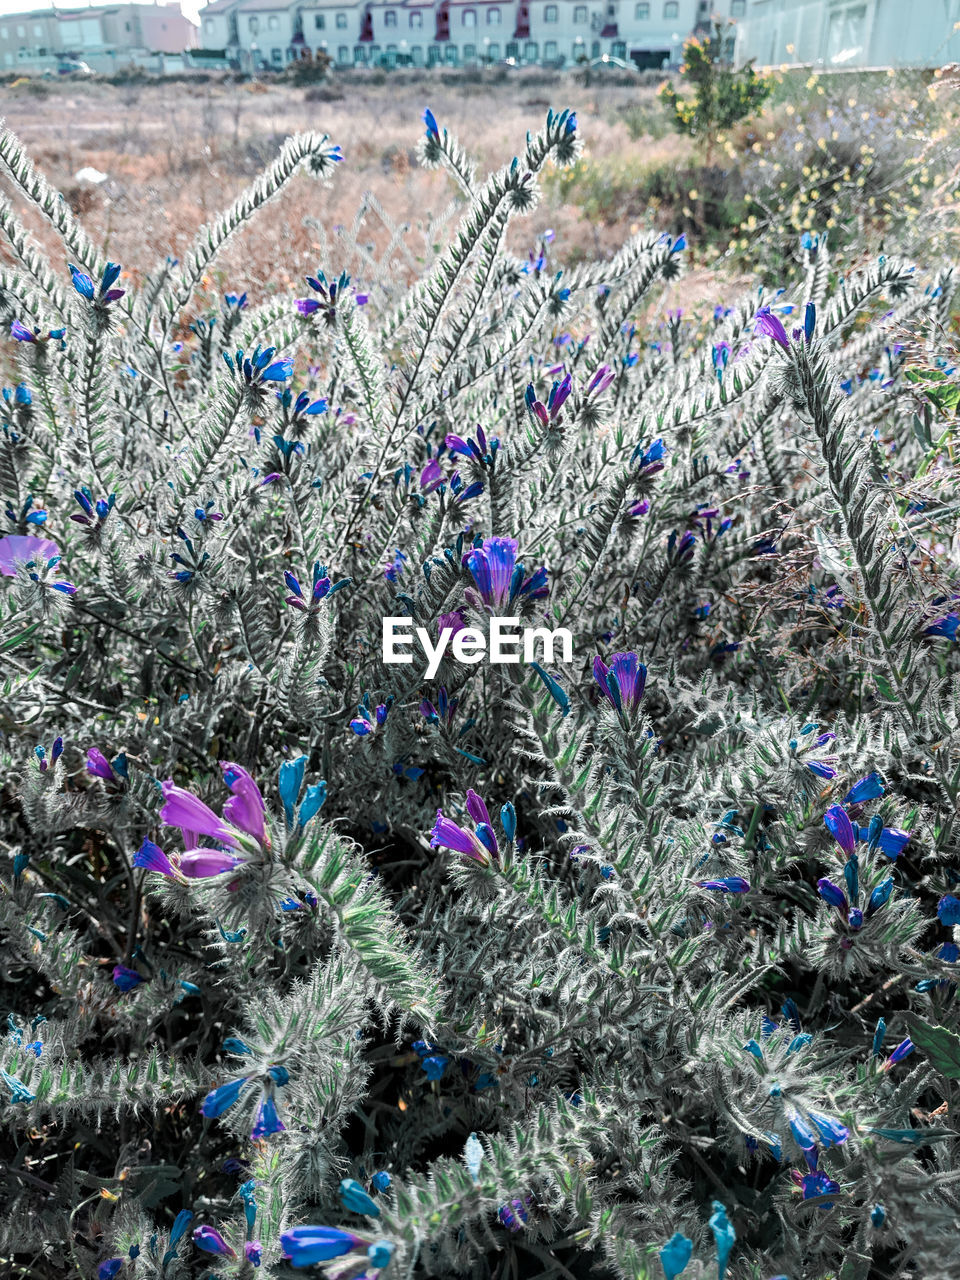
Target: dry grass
177,153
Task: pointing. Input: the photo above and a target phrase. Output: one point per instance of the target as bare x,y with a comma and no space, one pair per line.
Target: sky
190,7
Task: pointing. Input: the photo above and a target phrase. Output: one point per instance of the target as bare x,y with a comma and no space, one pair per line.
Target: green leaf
942,1047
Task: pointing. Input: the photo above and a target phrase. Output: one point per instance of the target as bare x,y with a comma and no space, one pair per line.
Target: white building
850,33
649,33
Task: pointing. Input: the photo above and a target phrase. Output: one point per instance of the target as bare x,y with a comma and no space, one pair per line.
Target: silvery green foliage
586,1037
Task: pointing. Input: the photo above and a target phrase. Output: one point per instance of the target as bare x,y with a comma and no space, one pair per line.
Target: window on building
549,13
38,28
208,26
343,54
738,8
21,30
493,51
618,49
845,34
549,49
359,54
469,52
416,20
319,21
390,18
531,51
671,9
273,22
253,25
276,55
341,22
642,12
580,13
451,54
469,17
493,16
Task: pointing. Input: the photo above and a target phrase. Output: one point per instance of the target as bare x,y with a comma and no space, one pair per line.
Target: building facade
423,33
104,37
850,33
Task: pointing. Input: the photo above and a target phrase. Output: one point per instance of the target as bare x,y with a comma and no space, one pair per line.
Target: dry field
174,154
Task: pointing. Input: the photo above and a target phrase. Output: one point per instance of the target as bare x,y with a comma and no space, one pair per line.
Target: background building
106,37
850,33
648,33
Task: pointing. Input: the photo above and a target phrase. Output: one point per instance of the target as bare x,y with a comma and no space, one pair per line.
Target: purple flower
107,1270
253,1252
245,809
600,381
454,622
769,326
209,1240
126,979
188,812
431,477
491,566
447,835
903,1050
267,1120
514,1214
21,333
201,864
23,549
99,766
623,681
817,1184
832,894
728,884
306,1246
840,827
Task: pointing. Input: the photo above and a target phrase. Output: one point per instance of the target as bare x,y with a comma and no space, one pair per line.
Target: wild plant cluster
633,961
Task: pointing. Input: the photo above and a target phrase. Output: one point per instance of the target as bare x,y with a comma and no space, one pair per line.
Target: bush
435,969
722,96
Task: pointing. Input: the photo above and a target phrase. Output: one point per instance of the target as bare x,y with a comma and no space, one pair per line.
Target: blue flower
267,1120
222,1098
107,1270
381,1180
430,121
675,1255
306,1246
355,1199
554,688
868,788
126,979
508,820
434,1066
723,1234
289,782
380,1253
832,1132
948,910
879,896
